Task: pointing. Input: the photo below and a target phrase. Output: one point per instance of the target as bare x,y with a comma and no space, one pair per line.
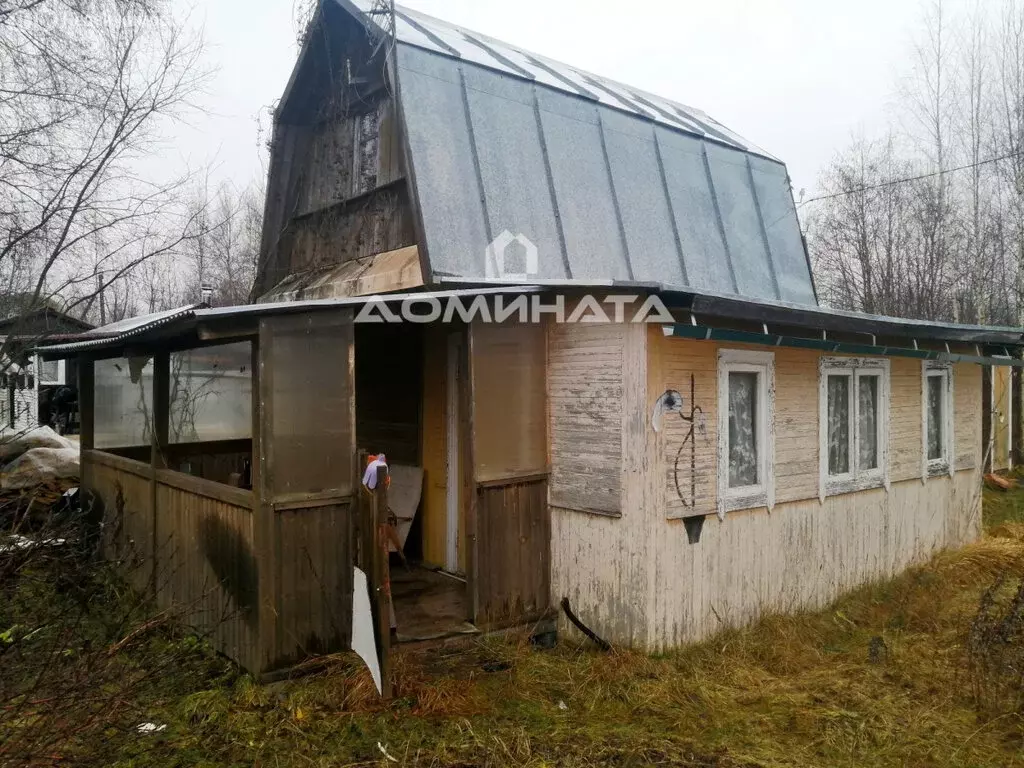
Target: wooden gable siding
336,192
350,156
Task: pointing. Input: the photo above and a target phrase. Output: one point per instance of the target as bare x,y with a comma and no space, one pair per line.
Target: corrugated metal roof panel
607,181
602,193
159,326
130,324
123,331
425,31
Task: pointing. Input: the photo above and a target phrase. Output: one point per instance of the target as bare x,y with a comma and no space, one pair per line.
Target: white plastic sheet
16,443
363,640
39,465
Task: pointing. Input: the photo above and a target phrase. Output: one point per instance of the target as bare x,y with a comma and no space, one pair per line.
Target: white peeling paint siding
805,553
638,581
601,561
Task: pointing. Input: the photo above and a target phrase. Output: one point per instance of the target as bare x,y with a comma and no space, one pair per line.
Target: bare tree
87,89
945,189
223,249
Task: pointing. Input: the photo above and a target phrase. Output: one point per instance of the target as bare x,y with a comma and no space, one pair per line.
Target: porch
225,447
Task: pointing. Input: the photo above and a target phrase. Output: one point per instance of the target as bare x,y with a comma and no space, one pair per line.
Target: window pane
867,422
123,409
742,429
49,371
935,426
838,425
310,444
211,394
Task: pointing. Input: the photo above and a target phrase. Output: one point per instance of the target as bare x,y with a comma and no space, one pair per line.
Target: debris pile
37,457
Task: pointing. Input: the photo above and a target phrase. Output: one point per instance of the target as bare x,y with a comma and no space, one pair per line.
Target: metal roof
132,324
606,181
705,305
123,331
147,328
439,36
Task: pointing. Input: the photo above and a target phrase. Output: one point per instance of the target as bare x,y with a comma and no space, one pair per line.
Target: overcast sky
800,78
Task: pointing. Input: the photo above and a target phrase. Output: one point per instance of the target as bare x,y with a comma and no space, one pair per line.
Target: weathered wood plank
513,545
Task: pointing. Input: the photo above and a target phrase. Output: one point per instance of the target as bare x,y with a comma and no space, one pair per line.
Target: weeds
924,669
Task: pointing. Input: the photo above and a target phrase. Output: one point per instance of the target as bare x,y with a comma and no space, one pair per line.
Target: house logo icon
499,265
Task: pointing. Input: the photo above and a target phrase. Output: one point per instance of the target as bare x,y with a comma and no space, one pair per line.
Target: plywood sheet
509,409
585,411
404,496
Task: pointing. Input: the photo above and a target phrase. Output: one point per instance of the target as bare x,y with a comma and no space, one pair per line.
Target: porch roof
201,324
198,323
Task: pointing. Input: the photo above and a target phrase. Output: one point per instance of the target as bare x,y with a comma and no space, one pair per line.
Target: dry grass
881,677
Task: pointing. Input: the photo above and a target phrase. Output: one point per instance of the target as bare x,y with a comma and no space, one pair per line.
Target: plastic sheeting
211,394
39,465
16,444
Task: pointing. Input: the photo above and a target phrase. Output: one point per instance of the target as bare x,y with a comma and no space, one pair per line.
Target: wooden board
434,444
585,396
1001,417
510,410
513,552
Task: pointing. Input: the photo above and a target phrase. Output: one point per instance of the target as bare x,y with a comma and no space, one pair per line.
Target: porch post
161,409
86,404
264,544
158,451
381,583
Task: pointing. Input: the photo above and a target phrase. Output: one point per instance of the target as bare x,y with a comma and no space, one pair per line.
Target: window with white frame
746,430
936,418
50,372
853,398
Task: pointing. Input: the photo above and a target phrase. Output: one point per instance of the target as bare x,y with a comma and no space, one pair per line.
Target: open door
508,521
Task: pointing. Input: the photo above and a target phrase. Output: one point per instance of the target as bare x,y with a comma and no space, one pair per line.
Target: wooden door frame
453,439
469,486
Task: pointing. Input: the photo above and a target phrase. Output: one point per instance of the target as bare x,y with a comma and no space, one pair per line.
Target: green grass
1002,506
790,691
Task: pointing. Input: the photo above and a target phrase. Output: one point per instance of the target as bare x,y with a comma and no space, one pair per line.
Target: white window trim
946,465
763,494
855,480
61,373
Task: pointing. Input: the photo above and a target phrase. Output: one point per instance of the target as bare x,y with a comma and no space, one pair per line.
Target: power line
894,182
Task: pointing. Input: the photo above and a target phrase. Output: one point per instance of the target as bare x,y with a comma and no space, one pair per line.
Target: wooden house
744,450
27,384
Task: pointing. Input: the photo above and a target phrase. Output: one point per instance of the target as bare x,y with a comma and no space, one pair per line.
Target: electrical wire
908,179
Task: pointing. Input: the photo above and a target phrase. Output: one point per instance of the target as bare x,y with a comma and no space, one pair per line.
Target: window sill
853,485
755,499
938,469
